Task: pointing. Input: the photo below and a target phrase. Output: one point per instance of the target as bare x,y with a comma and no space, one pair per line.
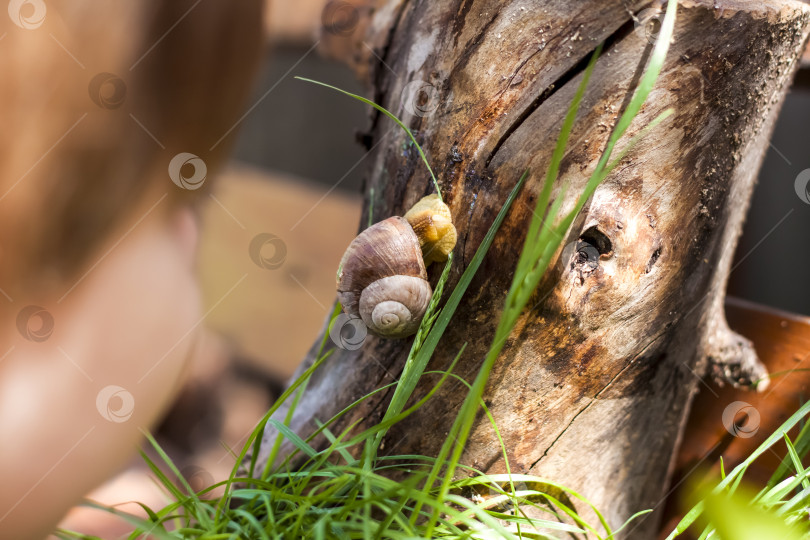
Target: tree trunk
593,387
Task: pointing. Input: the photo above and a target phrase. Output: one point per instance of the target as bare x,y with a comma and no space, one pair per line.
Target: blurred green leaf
734,518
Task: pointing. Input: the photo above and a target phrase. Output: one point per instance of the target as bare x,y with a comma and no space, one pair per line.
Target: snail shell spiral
394,306
382,279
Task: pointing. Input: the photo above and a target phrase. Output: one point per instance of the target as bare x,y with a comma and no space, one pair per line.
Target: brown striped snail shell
382,279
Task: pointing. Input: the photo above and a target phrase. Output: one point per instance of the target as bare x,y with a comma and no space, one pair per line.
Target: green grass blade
392,117
336,311
459,432
802,447
797,462
154,531
412,370
531,244
739,470
293,437
260,426
415,366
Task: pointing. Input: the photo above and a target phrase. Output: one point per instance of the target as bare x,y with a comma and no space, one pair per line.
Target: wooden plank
271,315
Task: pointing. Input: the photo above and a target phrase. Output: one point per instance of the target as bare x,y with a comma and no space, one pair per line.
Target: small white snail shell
382,279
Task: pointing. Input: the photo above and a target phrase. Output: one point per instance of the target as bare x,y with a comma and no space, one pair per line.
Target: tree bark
594,385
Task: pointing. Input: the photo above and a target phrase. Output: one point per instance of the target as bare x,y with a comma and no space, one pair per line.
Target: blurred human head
97,97
115,116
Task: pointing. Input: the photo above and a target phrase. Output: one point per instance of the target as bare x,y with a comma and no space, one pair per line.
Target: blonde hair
96,99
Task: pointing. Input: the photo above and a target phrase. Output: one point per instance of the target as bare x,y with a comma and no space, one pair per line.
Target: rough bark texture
594,385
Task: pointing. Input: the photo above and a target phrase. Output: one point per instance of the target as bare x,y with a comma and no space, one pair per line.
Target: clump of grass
345,490
732,511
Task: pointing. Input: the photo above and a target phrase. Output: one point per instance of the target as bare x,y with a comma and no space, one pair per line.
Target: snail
433,224
382,277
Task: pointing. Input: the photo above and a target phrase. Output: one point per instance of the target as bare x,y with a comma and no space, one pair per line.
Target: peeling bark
593,387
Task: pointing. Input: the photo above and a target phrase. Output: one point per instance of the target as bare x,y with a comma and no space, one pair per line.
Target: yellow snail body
382,277
433,224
